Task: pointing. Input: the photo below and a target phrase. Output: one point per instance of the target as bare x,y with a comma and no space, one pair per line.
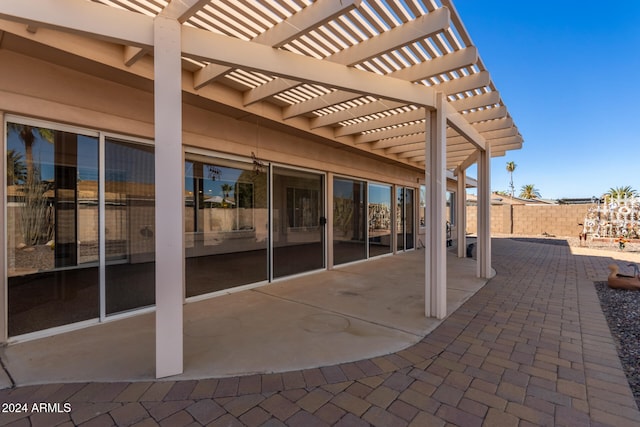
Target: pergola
399,80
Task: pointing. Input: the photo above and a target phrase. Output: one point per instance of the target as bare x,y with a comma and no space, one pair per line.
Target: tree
621,192
36,221
226,192
529,191
28,136
511,166
16,168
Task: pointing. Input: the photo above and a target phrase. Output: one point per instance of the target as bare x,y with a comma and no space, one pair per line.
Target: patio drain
324,323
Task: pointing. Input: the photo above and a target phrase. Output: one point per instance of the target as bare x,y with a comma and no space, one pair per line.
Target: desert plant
35,216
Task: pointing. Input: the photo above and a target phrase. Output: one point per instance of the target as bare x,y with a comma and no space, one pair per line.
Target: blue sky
569,73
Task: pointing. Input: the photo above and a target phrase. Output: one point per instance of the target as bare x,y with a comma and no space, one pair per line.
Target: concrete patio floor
530,348
353,312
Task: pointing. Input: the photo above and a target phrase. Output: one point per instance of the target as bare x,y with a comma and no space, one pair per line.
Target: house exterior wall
558,220
41,90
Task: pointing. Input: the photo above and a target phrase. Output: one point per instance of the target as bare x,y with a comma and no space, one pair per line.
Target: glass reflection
52,233
298,223
349,227
409,218
379,219
226,222
129,226
400,218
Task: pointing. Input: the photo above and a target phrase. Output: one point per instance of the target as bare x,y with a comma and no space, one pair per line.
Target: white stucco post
435,184
461,212
484,213
169,177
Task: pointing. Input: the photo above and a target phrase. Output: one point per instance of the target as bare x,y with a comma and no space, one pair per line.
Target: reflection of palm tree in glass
226,192
28,135
35,225
16,168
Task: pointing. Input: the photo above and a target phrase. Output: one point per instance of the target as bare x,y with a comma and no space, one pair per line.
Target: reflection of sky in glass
213,187
43,154
380,194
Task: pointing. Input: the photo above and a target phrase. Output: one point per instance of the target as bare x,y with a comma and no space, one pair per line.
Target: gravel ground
622,310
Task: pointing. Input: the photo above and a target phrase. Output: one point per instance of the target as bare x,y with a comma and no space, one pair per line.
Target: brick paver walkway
531,348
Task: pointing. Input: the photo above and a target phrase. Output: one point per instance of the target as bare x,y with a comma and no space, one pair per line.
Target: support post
435,239
169,177
461,214
484,213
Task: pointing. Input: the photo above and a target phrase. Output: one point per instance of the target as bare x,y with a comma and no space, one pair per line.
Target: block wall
558,220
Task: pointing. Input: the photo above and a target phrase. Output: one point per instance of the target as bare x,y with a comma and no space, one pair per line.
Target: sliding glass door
129,210
349,221
298,221
80,236
226,224
405,218
379,217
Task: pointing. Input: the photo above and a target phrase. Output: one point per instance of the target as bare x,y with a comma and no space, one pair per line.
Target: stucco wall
558,220
38,89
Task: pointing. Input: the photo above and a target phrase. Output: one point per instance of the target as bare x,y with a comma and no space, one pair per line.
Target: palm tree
28,136
35,222
511,166
16,168
529,191
621,192
226,191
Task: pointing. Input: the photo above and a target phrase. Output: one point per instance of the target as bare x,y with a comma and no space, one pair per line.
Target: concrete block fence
557,220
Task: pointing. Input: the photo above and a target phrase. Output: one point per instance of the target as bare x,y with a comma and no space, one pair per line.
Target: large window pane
226,224
298,222
52,237
400,218
409,218
349,226
129,226
379,219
